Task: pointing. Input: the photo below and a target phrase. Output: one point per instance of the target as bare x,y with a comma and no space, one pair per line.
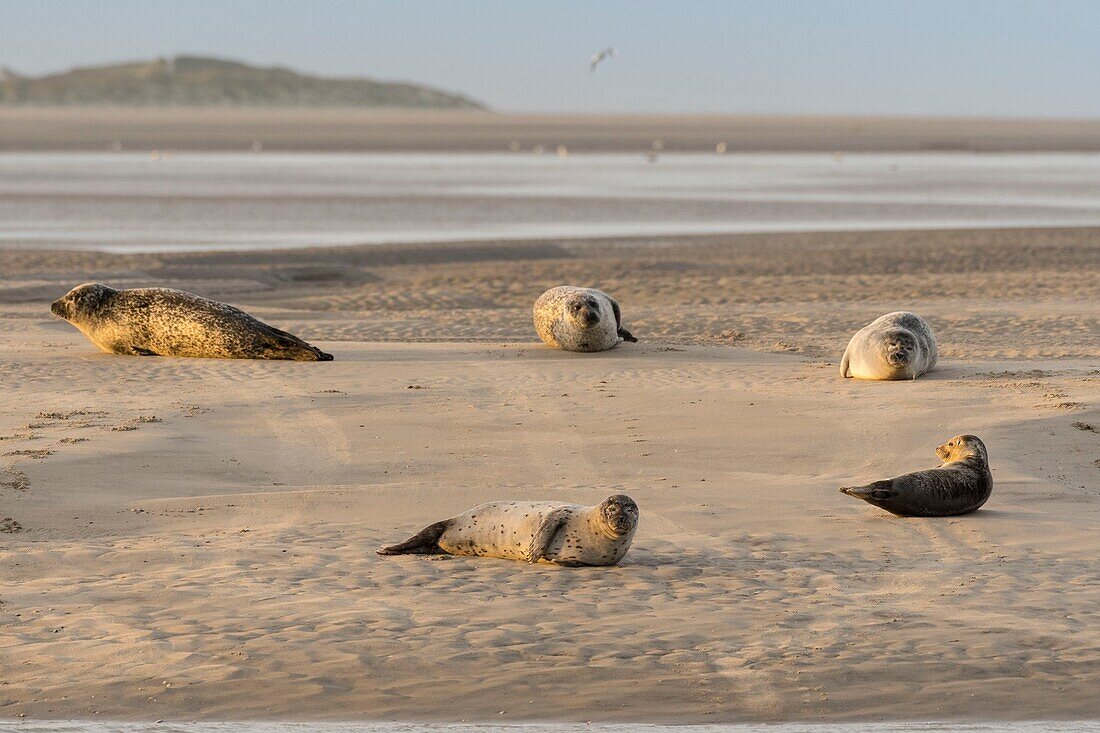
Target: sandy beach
196,537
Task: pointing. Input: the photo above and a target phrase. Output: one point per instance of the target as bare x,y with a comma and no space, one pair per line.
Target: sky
1012,58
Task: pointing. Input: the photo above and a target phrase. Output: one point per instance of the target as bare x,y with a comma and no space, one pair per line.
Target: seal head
82,302
898,348
962,448
620,515
582,310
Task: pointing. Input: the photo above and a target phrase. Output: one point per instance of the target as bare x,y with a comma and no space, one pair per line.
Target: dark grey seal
166,322
960,486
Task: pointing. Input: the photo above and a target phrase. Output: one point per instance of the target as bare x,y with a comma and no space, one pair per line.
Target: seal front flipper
424,542
623,333
544,535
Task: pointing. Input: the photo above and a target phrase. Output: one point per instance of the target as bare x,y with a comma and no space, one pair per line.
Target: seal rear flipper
623,333
424,542
844,365
544,535
879,490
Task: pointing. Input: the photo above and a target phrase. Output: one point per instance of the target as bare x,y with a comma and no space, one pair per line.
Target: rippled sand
197,537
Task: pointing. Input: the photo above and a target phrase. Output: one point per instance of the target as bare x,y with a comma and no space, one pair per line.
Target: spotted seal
898,345
166,322
564,534
579,319
960,486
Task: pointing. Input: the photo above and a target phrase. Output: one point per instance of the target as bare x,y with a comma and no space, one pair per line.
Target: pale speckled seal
961,485
579,319
898,345
165,322
564,534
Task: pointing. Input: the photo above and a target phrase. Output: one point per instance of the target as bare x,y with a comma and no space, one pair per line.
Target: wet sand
144,129
196,537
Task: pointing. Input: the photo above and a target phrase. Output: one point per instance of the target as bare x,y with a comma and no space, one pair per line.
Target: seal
580,319
898,345
166,322
564,534
960,486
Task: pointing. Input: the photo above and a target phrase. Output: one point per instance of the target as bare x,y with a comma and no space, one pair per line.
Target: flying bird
607,53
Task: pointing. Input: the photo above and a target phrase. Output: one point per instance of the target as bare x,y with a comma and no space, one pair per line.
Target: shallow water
129,202
274,727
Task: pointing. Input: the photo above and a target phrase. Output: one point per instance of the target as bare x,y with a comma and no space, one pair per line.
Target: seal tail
627,335
424,542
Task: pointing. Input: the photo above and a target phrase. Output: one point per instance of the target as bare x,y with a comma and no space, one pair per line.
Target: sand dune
198,536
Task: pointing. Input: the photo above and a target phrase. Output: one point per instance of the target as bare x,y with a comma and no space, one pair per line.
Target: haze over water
141,202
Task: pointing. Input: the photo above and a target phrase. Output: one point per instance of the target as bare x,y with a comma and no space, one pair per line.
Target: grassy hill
192,81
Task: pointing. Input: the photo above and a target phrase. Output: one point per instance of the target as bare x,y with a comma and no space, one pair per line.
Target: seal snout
621,522
58,308
899,355
587,312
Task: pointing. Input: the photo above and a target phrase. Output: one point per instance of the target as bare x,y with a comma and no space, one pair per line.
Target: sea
156,201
